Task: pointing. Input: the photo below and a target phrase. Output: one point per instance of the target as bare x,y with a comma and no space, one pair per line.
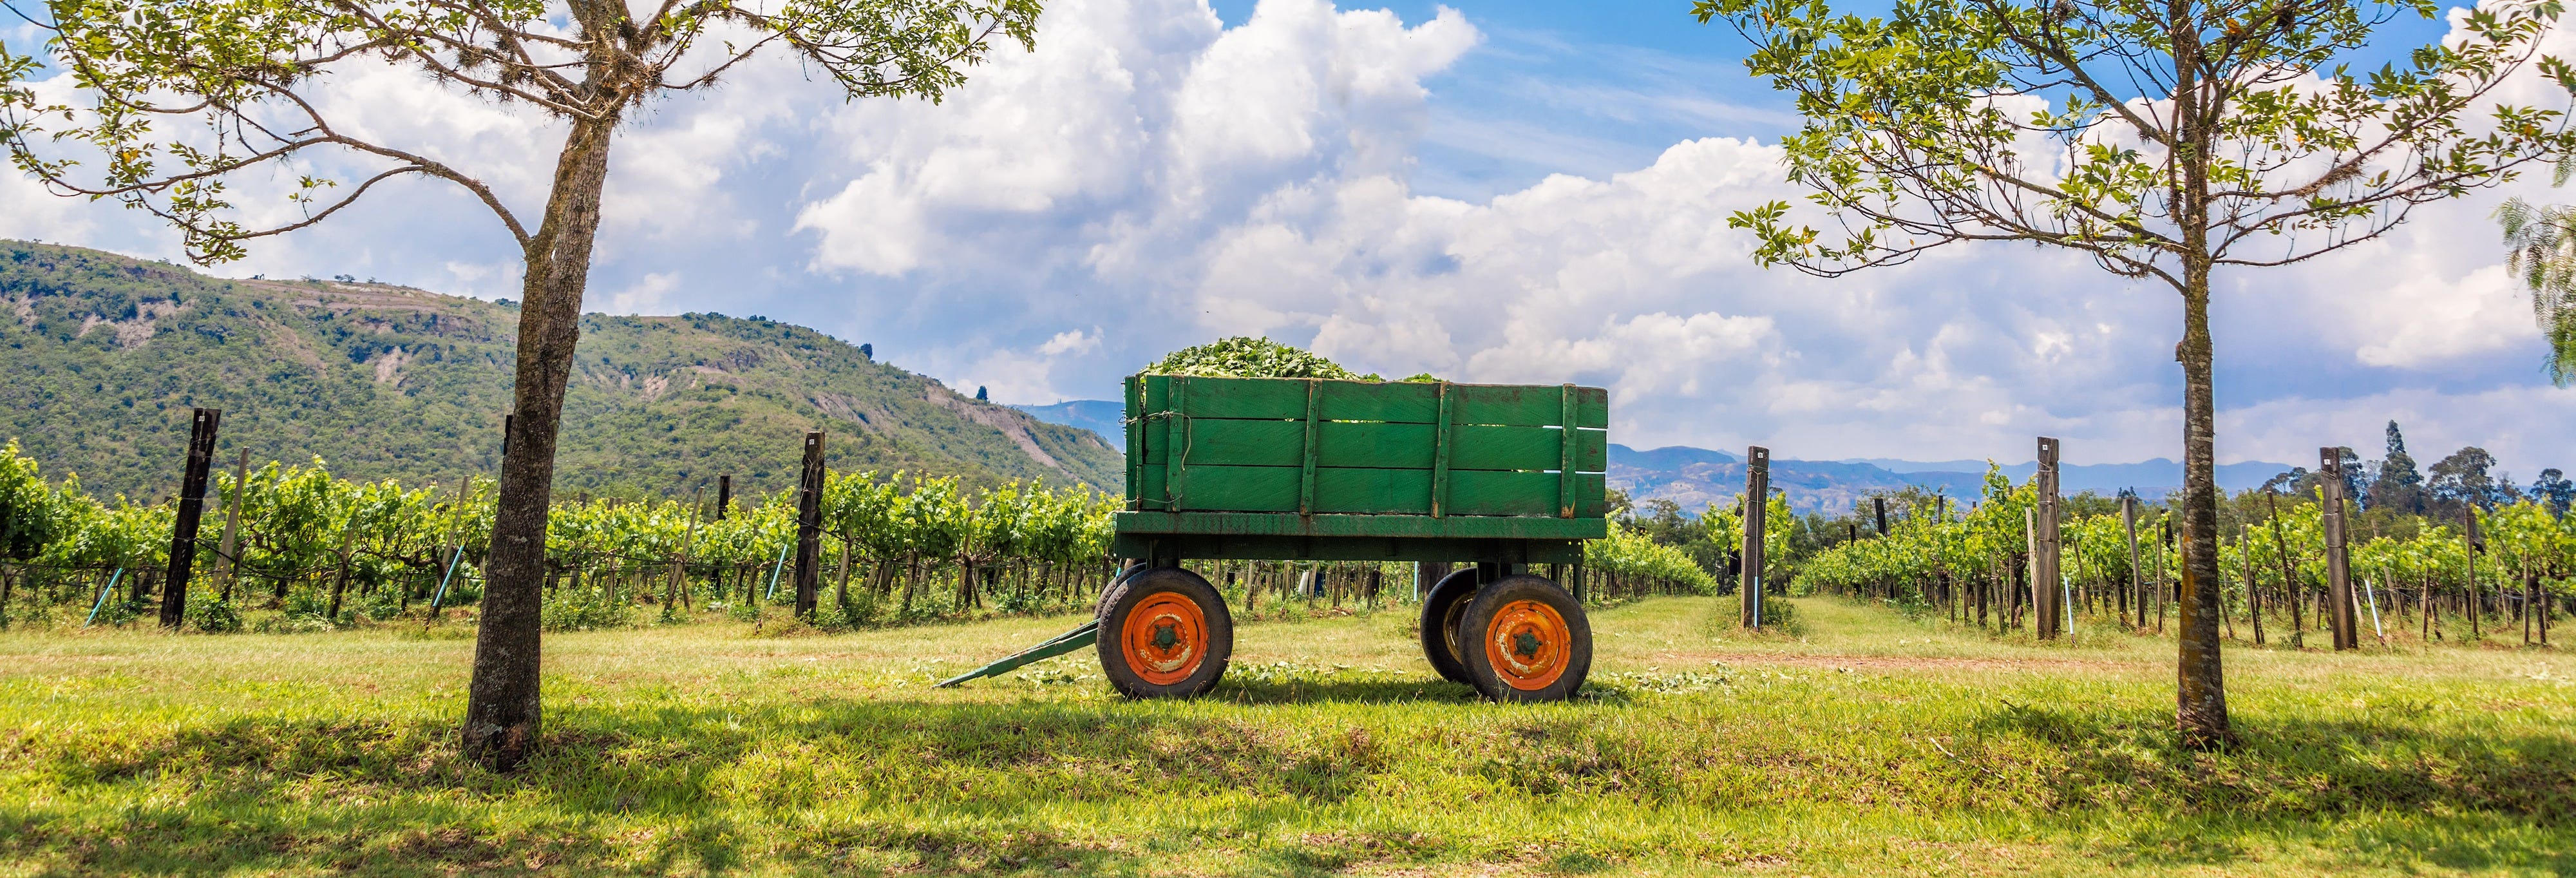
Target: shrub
214,615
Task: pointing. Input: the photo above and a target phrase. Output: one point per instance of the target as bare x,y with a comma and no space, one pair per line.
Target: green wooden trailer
1499,478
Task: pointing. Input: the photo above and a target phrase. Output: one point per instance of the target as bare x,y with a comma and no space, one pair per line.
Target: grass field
1865,744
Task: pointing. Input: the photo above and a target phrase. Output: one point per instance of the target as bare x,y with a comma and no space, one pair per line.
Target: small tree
248,71
2540,245
2165,140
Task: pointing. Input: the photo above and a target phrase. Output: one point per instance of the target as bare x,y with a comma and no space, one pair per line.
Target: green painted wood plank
1155,396
1402,402
1485,447
1306,450
1566,439
1384,491
1283,398
1441,446
1475,492
1242,489
1395,526
1388,446
1529,405
1293,548
1373,491
1277,489
1135,441
1225,442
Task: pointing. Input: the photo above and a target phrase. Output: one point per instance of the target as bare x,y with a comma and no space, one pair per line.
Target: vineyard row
314,551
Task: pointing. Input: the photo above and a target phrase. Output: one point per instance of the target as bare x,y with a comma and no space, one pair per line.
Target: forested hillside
106,354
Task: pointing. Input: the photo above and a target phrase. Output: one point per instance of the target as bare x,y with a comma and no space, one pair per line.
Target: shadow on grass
2328,766
1326,690
856,786
832,785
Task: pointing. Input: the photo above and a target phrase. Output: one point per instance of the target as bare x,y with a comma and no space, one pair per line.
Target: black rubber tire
1126,596
1100,605
1479,617
1442,607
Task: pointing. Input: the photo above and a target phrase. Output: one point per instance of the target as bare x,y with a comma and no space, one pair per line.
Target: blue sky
1514,191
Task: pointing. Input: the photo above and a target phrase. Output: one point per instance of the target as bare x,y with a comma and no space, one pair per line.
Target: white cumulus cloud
1151,178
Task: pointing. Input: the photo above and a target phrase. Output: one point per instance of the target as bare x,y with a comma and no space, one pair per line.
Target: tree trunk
2201,685
502,710
2201,690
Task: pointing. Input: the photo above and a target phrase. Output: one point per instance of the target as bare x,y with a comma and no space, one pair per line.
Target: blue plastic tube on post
102,596
439,599
781,564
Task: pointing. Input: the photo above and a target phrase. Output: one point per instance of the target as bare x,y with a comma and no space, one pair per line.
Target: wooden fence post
809,526
724,495
2347,629
2046,598
1757,501
192,506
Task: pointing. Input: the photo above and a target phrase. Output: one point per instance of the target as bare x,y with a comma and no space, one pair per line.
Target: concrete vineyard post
679,588
2289,571
2347,630
809,526
2046,583
226,553
2137,585
2253,593
2164,539
192,506
1757,497
2476,545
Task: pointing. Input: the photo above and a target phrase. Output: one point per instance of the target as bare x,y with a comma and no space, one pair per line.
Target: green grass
1867,744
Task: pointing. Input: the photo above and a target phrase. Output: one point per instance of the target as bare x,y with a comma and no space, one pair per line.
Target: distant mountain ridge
1104,418
1696,477
2148,477
107,353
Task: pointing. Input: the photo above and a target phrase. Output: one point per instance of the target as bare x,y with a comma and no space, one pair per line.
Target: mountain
1694,477
1671,457
106,355
1106,418
2150,478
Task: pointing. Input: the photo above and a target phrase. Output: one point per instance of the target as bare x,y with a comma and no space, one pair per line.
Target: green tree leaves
2108,127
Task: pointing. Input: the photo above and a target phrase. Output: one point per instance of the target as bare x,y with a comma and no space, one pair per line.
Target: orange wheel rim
1164,638
1527,644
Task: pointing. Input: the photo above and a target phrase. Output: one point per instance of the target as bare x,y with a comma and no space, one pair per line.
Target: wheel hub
1526,644
1164,639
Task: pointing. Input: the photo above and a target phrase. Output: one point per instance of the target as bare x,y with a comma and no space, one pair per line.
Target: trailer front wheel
1531,641
1442,609
1164,633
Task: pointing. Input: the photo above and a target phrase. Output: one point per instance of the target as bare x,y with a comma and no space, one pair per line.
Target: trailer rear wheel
1531,641
1442,608
1164,633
